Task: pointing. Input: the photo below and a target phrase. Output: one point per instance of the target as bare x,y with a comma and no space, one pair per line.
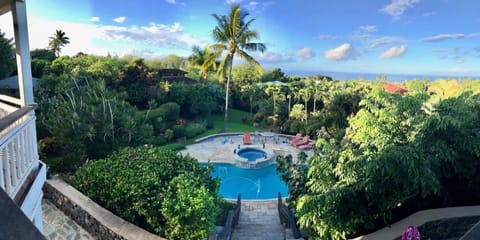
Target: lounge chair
297,138
307,146
304,141
246,138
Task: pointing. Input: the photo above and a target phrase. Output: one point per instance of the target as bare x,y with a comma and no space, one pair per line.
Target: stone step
258,232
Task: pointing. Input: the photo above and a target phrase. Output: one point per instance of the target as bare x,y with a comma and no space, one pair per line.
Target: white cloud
120,19
441,37
305,53
368,28
94,19
254,6
343,52
395,52
397,7
104,39
143,53
171,1
382,41
158,35
326,37
273,57
40,31
233,1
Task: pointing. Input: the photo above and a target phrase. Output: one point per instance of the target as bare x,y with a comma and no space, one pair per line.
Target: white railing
18,149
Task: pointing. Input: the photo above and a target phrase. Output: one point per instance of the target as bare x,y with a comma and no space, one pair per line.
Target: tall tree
233,34
6,54
58,41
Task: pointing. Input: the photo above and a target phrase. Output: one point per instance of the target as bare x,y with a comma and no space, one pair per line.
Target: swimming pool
251,154
253,184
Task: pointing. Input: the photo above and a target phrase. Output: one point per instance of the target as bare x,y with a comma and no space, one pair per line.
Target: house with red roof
393,88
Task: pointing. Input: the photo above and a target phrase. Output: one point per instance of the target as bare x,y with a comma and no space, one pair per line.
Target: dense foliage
94,120
294,174
394,151
159,190
7,55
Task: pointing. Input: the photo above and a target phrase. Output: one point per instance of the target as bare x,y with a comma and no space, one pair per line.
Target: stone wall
99,222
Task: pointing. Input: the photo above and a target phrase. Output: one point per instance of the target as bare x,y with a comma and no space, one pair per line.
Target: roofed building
393,88
174,75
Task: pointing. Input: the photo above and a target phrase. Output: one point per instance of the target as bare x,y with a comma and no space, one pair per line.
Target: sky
424,37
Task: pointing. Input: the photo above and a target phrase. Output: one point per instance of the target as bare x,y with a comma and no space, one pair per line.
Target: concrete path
57,226
259,221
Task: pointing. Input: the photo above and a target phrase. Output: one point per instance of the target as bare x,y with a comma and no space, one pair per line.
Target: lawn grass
234,124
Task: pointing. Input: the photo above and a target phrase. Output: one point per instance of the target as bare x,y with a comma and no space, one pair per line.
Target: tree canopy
7,55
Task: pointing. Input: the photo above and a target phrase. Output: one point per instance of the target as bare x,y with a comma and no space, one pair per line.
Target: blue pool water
253,184
251,154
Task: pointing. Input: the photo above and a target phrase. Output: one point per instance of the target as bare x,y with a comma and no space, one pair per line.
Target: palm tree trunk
289,103
314,103
306,112
251,117
227,88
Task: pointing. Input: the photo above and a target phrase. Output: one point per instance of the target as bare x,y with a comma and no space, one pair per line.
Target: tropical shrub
94,120
394,153
178,131
158,190
194,129
294,174
168,112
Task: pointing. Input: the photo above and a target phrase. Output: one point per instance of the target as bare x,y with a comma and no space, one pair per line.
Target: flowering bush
181,121
135,183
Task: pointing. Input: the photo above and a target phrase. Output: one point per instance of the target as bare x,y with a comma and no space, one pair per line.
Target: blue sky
424,37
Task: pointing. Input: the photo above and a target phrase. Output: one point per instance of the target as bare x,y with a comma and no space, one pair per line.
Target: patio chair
304,141
307,146
297,138
246,138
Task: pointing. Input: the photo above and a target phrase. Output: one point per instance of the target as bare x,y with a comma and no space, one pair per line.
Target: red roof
393,88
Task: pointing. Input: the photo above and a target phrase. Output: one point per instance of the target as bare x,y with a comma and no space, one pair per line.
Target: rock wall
99,222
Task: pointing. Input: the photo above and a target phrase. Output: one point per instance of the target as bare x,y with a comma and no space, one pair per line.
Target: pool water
251,154
253,184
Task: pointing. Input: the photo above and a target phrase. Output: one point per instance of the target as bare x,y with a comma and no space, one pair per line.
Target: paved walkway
57,226
259,221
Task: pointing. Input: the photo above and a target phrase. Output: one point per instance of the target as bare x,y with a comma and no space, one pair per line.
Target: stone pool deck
220,149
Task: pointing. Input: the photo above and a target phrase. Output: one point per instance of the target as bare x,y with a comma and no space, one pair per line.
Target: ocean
373,76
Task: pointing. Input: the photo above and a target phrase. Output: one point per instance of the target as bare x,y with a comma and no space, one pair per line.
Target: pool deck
217,150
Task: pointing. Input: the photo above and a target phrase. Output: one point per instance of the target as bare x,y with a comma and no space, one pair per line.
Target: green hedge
158,190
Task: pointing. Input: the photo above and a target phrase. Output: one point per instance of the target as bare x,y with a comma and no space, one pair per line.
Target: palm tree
233,34
203,58
305,94
58,40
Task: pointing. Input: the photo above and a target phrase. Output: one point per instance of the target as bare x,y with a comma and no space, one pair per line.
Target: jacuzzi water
251,154
253,184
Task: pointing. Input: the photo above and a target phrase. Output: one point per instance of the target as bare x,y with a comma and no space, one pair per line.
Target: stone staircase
259,221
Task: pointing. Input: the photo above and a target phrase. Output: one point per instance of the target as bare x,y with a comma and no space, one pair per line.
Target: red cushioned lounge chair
297,138
246,138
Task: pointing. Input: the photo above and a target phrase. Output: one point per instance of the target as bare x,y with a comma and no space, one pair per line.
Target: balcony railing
18,148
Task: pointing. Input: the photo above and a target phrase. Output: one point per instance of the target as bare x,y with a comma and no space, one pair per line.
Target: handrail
232,221
8,120
287,218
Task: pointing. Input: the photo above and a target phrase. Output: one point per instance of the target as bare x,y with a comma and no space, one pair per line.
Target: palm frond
251,60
